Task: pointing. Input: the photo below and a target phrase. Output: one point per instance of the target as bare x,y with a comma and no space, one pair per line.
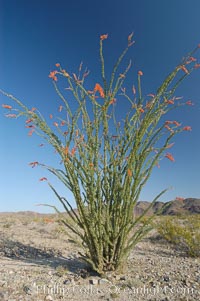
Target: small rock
93,281
3,295
48,298
166,278
67,281
83,273
2,283
76,278
103,281
72,281
27,289
153,284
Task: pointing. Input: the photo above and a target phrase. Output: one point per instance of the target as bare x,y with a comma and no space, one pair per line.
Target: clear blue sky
36,34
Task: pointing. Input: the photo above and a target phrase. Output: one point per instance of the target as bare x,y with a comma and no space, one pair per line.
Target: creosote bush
105,161
182,232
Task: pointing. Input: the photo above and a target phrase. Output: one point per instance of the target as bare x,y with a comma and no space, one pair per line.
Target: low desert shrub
182,231
7,225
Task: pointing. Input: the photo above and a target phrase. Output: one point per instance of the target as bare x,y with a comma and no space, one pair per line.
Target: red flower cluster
170,101
141,110
43,179
130,42
184,69
29,121
33,164
103,37
187,128
189,103
6,106
11,115
52,75
99,89
170,157
173,122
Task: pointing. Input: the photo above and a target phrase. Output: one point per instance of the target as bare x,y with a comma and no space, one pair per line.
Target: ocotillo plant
106,162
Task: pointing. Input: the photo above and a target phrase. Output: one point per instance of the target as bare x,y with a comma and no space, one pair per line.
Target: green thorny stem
105,164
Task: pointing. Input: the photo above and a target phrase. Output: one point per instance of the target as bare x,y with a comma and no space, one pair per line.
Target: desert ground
39,262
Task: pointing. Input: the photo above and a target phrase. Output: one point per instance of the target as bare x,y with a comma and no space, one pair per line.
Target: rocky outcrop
175,207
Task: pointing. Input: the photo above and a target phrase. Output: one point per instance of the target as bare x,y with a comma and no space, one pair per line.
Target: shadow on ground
16,250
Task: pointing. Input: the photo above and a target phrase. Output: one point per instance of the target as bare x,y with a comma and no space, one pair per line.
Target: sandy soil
39,262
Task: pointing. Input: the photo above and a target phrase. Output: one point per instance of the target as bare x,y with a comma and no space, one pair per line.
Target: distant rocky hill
175,207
